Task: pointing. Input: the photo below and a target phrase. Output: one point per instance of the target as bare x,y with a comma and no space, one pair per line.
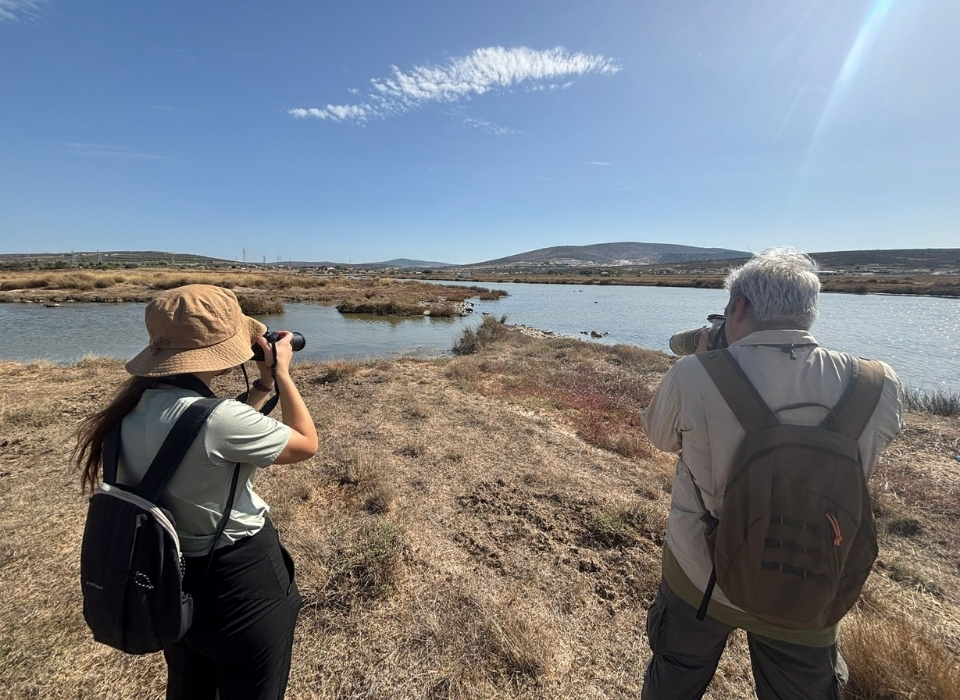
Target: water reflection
917,335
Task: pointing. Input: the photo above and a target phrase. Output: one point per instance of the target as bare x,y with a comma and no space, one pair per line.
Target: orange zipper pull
837,537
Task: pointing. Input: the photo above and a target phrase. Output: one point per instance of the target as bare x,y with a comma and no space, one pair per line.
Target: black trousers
242,634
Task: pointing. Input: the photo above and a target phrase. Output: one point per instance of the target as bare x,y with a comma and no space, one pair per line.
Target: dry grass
260,305
337,371
897,646
261,292
600,390
456,537
938,401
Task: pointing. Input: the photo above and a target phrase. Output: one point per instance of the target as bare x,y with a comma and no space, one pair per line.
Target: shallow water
916,335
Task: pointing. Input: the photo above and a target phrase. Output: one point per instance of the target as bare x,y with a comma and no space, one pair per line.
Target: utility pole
244,256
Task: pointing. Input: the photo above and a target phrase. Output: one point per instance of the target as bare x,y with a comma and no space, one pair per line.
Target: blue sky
466,131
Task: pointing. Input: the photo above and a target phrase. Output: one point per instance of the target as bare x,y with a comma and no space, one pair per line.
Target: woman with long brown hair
246,603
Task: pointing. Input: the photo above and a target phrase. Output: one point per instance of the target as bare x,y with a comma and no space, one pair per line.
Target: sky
466,131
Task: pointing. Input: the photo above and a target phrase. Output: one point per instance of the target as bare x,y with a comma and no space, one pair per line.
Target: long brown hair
88,452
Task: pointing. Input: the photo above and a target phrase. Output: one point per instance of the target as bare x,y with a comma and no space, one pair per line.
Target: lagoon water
916,335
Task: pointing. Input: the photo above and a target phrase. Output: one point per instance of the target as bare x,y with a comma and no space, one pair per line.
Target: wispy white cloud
15,9
598,162
463,121
488,126
99,150
462,78
550,87
182,54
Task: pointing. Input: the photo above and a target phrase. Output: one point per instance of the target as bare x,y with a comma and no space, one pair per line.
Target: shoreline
409,294
940,286
258,292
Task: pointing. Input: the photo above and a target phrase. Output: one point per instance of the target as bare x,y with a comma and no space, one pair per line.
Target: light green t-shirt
197,493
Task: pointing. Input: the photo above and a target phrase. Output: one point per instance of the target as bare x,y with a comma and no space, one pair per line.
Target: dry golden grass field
481,526
260,292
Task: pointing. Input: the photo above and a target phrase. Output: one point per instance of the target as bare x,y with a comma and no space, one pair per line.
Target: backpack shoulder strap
856,406
737,390
111,454
174,448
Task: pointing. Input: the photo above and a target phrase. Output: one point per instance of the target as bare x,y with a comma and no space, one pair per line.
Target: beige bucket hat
195,328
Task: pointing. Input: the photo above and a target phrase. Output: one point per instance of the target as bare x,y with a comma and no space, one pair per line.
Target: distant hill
613,254
601,254
404,262
154,258
919,258
116,257
923,260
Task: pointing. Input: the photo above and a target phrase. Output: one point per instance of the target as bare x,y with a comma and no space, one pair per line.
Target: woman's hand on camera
303,442
284,355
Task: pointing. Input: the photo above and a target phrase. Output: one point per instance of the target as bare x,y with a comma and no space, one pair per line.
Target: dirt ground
461,535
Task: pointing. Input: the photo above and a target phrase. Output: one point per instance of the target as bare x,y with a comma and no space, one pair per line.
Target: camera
298,342
686,342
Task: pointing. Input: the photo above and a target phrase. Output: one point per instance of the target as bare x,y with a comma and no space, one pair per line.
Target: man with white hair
773,301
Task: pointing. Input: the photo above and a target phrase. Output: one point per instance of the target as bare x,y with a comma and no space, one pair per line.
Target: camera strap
189,382
275,399
271,402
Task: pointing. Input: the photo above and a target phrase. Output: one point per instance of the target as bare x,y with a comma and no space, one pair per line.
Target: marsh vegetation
260,292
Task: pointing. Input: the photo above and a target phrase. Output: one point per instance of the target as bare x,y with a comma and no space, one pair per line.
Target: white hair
780,286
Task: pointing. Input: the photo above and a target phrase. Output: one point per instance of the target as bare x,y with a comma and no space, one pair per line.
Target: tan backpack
795,540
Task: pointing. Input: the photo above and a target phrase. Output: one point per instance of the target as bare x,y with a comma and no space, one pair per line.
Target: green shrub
489,330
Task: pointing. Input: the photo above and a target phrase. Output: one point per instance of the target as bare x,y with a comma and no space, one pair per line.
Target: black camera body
298,342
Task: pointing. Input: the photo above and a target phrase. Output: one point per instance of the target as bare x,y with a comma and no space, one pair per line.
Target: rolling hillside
625,253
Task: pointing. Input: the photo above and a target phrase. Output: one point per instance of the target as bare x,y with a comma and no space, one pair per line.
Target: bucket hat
195,328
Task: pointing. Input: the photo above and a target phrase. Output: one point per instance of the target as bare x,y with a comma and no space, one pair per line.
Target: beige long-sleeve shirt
689,415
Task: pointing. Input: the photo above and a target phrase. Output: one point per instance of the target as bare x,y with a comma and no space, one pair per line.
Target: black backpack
131,567
795,540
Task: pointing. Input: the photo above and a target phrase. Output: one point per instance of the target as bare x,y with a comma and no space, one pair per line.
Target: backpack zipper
146,505
837,537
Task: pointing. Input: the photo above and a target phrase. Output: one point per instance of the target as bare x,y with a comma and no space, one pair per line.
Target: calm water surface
916,335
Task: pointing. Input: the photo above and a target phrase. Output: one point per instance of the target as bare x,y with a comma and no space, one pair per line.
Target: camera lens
297,342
